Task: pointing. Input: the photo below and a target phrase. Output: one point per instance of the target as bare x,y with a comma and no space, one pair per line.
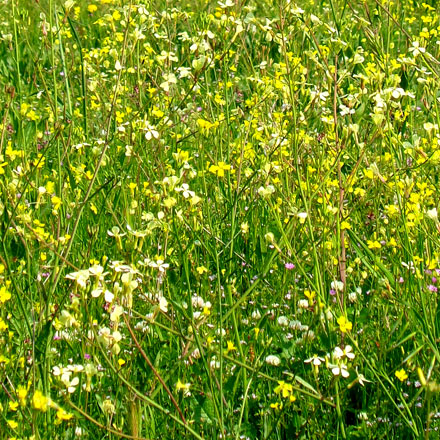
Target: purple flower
87,356
332,292
289,266
432,288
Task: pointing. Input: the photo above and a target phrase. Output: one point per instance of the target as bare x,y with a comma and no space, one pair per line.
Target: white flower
80,277
346,352
429,126
108,296
256,314
283,321
303,304
315,360
302,216
337,285
114,232
117,312
416,49
273,360
227,4
151,133
159,264
340,370
163,304
184,189
432,214
266,192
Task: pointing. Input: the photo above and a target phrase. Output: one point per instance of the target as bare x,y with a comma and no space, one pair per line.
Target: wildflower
5,295
345,225
303,304
184,387
283,388
315,360
21,394
13,406
114,232
302,216
201,270
346,352
310,294
39,401
266,191
12,424
184,189
360,379
219,169
230,346
163,304
344,324
150,132
337,285
57,202
289,266
432,214
401,375
79,277
108,407
340,370
116,313
63,414
273,360
416,49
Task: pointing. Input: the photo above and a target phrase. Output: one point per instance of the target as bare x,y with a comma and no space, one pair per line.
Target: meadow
218,220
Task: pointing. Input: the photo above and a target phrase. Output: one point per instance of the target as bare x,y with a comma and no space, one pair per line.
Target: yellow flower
13,406
345,225
63,415
344,324
3,325
373,244
219,169
184,387
39,401
283,388
309,294
401,375
56,201
22,393
231,346
12,424
4,295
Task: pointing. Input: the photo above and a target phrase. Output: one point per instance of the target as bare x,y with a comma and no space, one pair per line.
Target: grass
219,220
